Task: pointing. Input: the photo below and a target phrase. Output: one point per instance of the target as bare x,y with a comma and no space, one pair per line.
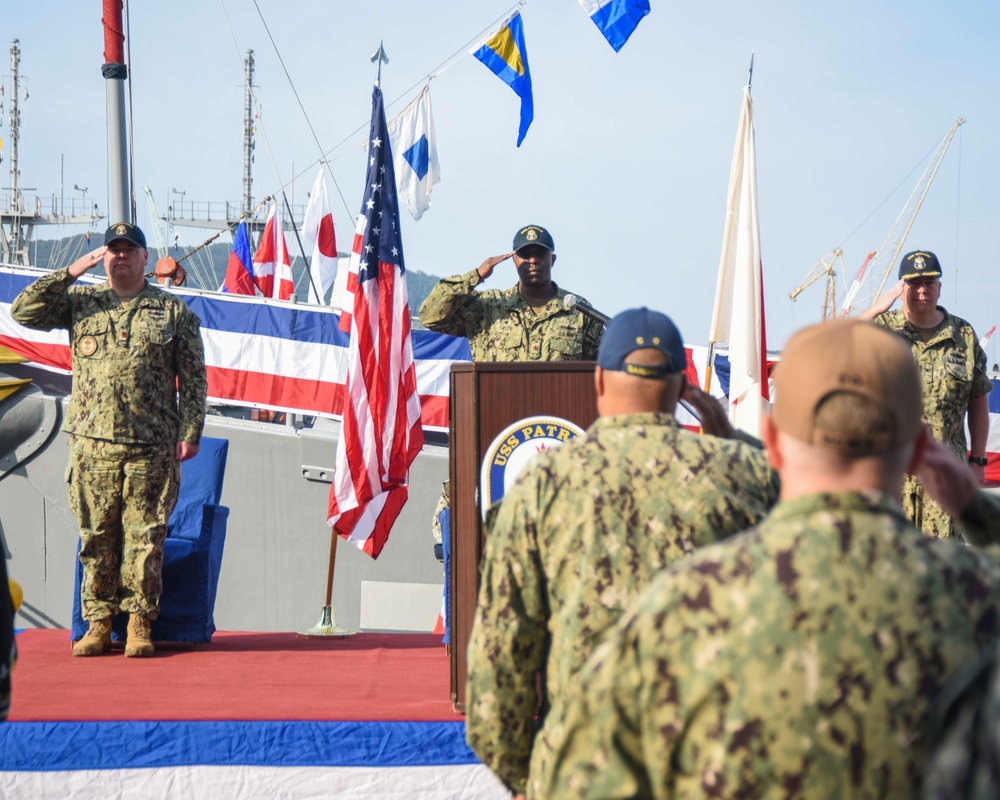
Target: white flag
415,154
318,238
738,317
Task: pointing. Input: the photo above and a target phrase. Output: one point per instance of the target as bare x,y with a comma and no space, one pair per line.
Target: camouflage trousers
122,496
925,513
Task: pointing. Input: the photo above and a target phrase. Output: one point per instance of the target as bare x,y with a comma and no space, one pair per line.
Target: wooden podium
485,399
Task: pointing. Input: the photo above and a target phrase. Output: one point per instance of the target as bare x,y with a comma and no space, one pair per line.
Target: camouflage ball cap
533,234
638,329
919,264
126,231
853,357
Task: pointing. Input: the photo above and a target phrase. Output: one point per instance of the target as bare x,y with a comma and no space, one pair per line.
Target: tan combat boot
97,640
140,643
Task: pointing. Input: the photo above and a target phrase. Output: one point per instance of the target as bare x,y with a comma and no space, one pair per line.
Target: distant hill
206,268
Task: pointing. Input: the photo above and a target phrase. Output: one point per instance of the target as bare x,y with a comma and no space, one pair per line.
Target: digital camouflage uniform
965,735
501,326
952,373
796,660
139,387
443,502
965,726
583,530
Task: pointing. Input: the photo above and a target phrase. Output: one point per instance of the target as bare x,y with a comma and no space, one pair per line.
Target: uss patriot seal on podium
513,448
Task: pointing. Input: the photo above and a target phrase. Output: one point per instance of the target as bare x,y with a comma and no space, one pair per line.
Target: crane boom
824,268
887,255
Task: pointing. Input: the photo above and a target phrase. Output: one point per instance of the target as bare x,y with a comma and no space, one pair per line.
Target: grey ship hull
275,564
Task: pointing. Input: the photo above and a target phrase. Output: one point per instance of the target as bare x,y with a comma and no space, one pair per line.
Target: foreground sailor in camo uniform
585,528
800,658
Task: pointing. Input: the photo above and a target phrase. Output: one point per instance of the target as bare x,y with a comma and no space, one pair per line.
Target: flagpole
380,57
708,367
302,250
327,626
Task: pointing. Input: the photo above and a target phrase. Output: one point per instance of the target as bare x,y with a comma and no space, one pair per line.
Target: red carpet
239,676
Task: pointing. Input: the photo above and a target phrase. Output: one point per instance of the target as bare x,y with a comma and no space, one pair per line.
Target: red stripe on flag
49,355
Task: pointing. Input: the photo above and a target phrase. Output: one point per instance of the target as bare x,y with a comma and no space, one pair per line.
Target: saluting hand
946,478
884,303
486,268
87,262
713,417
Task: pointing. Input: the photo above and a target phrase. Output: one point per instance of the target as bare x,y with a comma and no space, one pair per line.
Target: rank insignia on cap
919,264
531,235
121,230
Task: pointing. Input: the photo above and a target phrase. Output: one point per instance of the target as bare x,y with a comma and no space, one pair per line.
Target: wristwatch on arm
980,460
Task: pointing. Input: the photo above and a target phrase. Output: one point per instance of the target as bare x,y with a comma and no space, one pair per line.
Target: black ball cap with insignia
533,234
919,264
126,231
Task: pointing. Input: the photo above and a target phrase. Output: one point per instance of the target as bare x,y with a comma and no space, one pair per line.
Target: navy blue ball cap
919,264
533,234
638,329
126,231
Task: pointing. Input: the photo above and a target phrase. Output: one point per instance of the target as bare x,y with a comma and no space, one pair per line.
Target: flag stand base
326,628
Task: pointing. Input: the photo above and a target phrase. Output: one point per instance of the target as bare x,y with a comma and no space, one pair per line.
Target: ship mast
15,245
18,214
248,130
16,201
222,216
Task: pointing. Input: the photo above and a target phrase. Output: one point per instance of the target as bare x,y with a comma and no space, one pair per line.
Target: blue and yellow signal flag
504,53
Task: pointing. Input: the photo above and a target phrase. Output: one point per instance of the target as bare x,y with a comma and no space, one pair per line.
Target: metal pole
120,207
327,626
115,73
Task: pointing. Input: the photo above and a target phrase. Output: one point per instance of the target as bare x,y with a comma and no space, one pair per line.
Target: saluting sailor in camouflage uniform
800,658
136,412
952,372
585,528
528,322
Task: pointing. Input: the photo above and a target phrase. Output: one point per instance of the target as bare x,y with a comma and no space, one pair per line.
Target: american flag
381,432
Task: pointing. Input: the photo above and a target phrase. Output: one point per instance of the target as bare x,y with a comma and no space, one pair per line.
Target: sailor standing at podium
527,322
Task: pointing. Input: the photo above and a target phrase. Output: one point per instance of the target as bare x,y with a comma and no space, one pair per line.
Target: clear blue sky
627,160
